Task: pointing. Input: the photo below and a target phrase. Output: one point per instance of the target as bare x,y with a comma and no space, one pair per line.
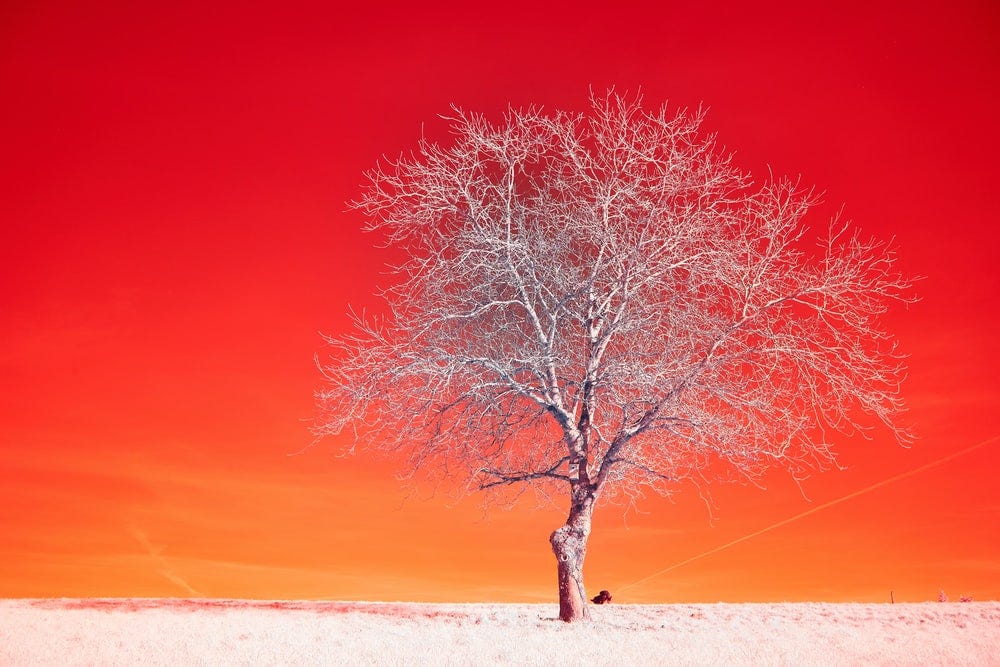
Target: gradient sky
174,240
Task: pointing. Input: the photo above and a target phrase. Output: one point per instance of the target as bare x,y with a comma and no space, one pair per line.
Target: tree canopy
605,300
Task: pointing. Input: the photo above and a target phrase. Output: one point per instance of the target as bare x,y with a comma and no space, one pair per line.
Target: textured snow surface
247,632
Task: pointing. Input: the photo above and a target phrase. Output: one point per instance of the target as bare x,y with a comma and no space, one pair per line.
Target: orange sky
174,240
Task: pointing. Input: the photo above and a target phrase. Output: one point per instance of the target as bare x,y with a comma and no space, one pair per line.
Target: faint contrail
855,494
156,552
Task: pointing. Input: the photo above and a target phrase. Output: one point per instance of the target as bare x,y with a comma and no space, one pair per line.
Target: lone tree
602,302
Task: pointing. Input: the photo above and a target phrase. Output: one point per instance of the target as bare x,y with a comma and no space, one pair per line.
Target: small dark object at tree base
602,598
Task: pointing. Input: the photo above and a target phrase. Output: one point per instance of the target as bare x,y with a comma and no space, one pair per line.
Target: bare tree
597,303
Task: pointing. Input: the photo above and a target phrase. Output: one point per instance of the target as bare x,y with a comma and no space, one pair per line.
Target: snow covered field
213,632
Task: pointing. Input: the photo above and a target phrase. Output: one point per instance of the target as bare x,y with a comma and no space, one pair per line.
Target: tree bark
569,544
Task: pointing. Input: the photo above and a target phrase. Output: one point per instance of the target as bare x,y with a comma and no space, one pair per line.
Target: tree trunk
569,543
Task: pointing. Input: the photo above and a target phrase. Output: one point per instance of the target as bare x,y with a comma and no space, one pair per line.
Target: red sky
174,240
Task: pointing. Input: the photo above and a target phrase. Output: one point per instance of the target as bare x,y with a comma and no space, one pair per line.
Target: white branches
604,300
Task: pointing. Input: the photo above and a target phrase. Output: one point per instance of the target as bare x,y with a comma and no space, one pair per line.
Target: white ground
240,632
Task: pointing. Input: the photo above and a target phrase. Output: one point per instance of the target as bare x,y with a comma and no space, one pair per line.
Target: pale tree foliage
603,303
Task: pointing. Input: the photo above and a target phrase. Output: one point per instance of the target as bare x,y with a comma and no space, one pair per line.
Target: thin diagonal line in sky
831,503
